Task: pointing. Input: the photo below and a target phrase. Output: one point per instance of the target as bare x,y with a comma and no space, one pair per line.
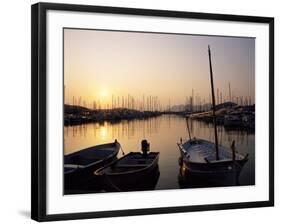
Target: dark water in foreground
163,133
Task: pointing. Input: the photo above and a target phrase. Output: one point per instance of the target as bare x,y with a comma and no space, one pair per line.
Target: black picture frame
38,110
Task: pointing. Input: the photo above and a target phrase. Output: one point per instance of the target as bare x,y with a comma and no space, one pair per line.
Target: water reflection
187,180
163,133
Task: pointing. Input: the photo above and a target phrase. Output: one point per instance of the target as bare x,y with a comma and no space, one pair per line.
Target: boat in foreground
207,160
79,166
134,171
199,158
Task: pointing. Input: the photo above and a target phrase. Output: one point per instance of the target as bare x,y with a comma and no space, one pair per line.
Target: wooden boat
208,160
134,171
199,157
131,172
79,166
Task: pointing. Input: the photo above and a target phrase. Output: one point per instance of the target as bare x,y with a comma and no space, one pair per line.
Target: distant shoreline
75,115
240,117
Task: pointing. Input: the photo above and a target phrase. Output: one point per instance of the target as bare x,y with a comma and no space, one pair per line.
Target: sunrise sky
98,64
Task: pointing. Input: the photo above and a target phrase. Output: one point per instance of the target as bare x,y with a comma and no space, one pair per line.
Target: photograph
157,111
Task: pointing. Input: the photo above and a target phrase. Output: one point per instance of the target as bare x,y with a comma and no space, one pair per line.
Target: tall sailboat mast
229,92
214,104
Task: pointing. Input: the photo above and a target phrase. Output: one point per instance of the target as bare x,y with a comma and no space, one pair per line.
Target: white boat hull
198,159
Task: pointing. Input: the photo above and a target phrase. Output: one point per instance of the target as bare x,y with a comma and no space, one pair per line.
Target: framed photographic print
139,111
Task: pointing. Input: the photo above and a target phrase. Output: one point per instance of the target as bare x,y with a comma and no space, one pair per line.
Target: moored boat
79,166
232,120
207,160
134,171
248,120
199,157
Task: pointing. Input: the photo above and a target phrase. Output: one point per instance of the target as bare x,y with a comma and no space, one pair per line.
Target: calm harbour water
163,133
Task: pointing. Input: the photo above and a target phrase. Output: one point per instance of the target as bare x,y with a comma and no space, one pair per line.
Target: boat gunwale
220,162
242,159
112,155
98,172
112,144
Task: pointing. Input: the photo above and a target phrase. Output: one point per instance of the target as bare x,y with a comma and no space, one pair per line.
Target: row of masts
149,103
197,103
192,103
220,98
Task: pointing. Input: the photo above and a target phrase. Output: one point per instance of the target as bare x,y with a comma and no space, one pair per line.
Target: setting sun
103,93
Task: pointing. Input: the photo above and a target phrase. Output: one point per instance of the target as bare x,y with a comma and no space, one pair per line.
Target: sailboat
207,160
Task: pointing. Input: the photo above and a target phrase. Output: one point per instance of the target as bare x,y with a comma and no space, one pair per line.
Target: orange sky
98,64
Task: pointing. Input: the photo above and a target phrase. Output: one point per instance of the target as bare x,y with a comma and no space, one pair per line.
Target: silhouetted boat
208,160
132,171
233,120
248,120
79,166
199,156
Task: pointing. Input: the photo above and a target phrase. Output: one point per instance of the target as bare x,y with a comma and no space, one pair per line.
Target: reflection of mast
214,104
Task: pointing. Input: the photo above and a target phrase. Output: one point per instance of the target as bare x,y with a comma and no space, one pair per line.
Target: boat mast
187,125
214,104
229,90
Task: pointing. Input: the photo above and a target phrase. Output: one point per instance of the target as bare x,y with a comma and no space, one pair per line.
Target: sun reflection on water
103,132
